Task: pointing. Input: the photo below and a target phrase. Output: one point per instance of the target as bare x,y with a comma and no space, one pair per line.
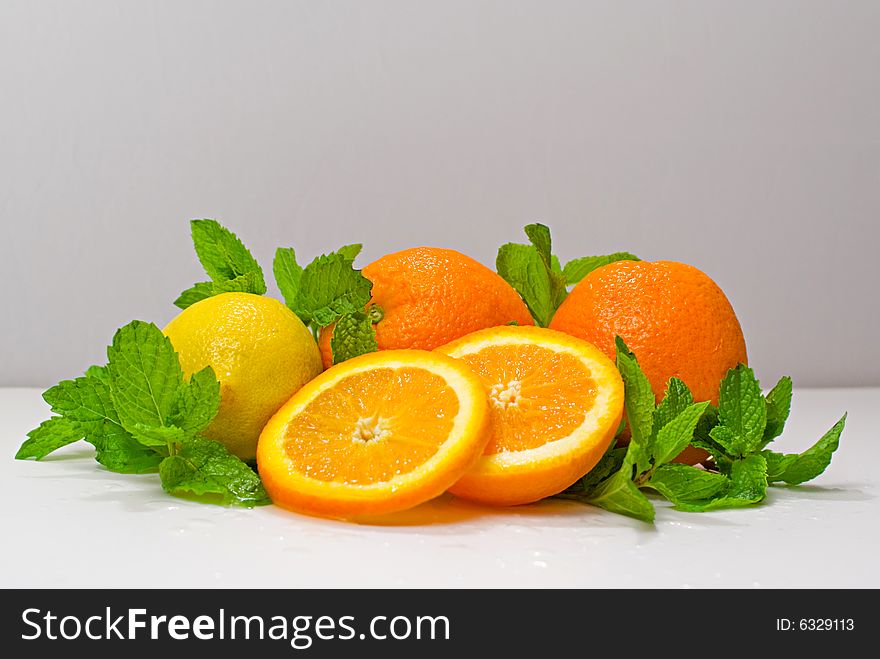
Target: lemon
261,353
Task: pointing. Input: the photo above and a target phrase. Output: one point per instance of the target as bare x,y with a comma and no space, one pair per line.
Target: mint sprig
142,415
204,468
536,273
229,264
797,468
735,434
657,435
330,290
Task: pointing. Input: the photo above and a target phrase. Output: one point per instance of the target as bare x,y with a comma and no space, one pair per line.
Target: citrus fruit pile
462,394
371,391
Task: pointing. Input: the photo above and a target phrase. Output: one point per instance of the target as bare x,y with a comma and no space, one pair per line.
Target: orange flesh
537,395
372,426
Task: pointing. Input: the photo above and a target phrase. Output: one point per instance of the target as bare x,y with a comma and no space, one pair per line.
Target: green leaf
120,452
610,463
353,335
533,271
539,236
682,483
577,269
49,436
777,464
705,425
205,468
677,398
248,283
350,252
157,436
86,403
747,486
145,376
778,407
99,372
619,494
800,468
197,403
287,274
742,410
639,405
675,436
329,288
522,267
222,254
725,438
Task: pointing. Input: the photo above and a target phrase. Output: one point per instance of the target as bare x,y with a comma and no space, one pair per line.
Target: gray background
742,137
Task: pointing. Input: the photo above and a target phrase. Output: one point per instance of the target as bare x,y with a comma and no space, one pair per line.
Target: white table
68,522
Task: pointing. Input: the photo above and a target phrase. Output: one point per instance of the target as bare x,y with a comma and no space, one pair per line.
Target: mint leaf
49,436
350,252
777,464
539,236
205,468
577,269
639,406
725,438
251,282
610,463
675,436
742,410
522,267
800,468
748,479
287,274
156,436
221,252
197,403
778,407
682,483
86,403
353,335
619,494
227,261
534,272
747,485
119,451
329,288
676,399
99,372
145,376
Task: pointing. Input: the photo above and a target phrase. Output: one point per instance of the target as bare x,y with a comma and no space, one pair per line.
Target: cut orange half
376,434
556,404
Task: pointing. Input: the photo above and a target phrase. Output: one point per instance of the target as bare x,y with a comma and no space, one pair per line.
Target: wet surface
59,515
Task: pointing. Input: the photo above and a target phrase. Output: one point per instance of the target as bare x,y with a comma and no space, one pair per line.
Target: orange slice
556,404
376,434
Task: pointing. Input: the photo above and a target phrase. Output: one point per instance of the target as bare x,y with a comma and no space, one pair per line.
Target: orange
675,319
431,296
376,434
556,404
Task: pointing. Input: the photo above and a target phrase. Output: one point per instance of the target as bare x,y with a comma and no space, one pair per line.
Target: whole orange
431,296
676,320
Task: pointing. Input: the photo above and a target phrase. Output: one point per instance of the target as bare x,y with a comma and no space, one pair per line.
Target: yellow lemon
259,349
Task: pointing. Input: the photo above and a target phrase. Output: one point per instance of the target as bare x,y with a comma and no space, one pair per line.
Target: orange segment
376,434
556,403
539,395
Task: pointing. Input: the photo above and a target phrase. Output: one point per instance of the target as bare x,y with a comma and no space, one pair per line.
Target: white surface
68,522
739,136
